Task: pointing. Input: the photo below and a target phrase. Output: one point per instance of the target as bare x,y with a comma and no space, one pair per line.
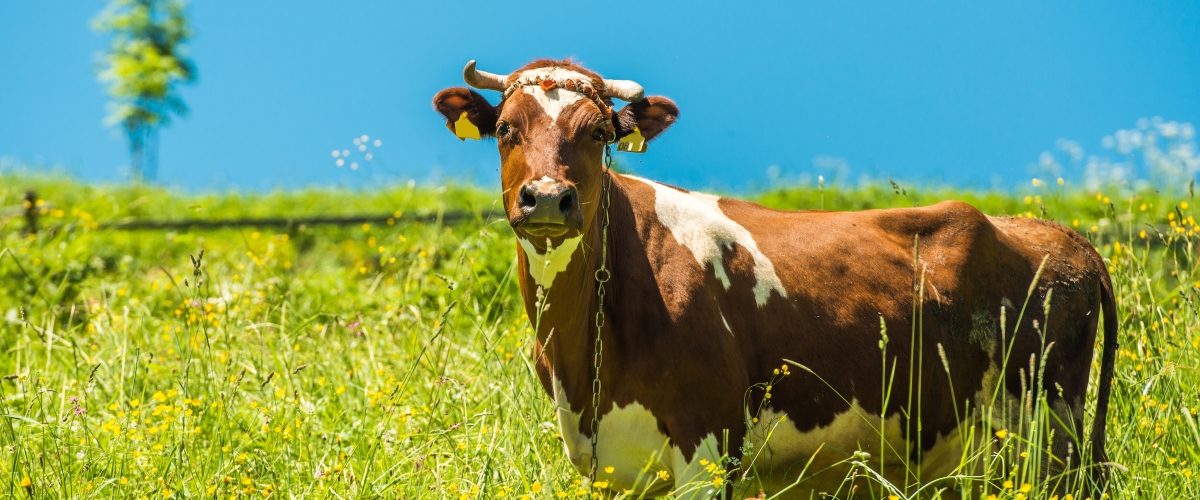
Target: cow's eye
502,129
600,134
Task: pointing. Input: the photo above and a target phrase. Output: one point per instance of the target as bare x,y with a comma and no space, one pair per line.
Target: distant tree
143,70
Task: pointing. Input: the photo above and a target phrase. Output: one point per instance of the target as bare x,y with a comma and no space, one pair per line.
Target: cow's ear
651,116
468,114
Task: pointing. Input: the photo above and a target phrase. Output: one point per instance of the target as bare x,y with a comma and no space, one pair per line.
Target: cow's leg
1066,427
1066,388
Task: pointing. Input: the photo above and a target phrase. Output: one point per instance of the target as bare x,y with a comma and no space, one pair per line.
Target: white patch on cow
557,99
779,451
947,453
697,222
777,442
694,478
545,180
631,443
544,267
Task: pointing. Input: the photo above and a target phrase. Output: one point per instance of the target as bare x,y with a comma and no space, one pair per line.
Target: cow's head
551,127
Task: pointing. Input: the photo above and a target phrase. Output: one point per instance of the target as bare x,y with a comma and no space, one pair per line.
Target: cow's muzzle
548,208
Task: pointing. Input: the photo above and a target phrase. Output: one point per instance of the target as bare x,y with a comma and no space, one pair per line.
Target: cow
784,345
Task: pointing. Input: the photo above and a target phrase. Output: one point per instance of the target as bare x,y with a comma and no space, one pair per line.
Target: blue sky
961,93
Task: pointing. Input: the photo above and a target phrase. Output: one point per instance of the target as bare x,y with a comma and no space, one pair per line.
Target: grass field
392,360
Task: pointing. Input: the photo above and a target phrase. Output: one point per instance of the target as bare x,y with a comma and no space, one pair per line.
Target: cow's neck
565,314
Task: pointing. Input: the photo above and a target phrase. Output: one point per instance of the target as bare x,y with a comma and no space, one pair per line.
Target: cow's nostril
527,199
567,203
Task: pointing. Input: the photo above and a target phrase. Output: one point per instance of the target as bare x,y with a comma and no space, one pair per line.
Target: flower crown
572,84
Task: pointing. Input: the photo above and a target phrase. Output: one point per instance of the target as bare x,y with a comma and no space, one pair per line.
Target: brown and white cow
710,295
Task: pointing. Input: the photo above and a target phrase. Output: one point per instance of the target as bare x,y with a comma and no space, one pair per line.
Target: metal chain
602,277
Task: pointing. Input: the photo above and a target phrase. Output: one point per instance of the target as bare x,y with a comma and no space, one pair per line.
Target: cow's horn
625,90
483,79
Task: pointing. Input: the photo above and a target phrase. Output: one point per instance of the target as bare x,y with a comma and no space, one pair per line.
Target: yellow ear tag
464,129
633,143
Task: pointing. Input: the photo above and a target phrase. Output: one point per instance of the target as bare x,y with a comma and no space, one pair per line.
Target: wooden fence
32,214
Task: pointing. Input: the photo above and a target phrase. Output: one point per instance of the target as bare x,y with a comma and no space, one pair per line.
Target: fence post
31,212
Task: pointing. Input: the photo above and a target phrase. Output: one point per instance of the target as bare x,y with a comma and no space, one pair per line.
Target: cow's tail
1108,305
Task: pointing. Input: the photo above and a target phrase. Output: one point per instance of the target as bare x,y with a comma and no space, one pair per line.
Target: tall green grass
393,360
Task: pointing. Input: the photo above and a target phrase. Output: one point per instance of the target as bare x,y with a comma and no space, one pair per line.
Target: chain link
602,276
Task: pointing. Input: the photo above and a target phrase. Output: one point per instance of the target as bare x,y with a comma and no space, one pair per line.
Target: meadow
392,360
